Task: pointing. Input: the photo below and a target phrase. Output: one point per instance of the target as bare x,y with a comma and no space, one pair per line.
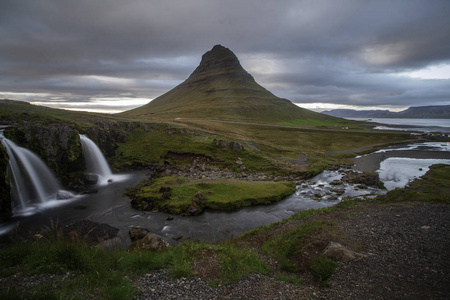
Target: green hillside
220,89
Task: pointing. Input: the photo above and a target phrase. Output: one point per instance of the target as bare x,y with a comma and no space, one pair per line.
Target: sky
114,55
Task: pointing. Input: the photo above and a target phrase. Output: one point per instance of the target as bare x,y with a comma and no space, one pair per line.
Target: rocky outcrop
364,179
58,144
5,201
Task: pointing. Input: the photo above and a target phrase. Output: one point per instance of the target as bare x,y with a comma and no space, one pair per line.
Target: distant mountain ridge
415,112
220,89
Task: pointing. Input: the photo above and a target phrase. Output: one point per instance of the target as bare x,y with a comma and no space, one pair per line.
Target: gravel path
408,257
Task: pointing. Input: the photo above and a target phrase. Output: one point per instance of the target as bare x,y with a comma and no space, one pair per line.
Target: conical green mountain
220,89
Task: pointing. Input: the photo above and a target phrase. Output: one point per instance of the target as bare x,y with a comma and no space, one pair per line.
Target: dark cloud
345,52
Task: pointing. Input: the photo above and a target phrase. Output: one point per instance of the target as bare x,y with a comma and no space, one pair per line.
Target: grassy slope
17,111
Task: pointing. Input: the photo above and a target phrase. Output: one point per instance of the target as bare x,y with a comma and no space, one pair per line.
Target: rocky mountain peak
220,61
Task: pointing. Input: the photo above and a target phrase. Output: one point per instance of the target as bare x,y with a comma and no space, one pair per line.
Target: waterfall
32,182
95,161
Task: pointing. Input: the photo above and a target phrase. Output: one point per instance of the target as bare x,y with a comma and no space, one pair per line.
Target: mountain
351,113
220,89
418,112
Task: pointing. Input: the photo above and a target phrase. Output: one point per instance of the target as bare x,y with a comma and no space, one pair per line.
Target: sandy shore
371,162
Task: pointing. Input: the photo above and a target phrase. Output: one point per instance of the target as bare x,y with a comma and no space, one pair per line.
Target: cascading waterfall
32,182
95,161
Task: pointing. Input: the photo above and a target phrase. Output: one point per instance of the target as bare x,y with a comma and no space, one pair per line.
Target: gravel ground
408,257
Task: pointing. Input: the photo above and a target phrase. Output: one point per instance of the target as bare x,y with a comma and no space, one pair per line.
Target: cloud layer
344,52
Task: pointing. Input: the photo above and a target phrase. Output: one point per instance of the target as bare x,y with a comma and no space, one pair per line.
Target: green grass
107,274
178,146
286,246
323,268
289,278
177,194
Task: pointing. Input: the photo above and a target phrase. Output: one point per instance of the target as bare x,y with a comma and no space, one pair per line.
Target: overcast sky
113,55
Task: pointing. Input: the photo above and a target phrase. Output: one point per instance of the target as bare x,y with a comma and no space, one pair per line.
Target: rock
91,178
150,241
199,199
229,144
368,179
169,218
336,182
239,161
63,195
340,253
193,211
137,233
89,191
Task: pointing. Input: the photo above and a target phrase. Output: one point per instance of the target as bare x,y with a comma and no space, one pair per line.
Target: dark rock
229,144
91,178
368,179
193,211
199,199
89,191
5,196
137,233
336,182
169,218
150,241
91,231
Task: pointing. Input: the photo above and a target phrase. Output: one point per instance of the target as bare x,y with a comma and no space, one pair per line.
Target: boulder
340,253
150,241
137,233
229,144
91,178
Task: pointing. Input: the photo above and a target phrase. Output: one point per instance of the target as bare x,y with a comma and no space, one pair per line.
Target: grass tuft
323,268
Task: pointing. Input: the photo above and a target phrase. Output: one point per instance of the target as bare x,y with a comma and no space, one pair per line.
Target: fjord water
424,125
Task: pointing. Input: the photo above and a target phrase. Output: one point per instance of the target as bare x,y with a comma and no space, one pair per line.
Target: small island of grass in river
180,195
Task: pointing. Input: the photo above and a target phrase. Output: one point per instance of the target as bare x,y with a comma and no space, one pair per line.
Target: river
109,205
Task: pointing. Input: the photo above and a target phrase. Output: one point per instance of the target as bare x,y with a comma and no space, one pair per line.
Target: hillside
221,89
418,112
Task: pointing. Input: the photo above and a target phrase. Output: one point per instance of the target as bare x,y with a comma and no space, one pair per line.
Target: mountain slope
221,89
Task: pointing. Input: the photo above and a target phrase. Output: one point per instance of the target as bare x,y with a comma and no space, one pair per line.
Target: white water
397,172
95,161
33,184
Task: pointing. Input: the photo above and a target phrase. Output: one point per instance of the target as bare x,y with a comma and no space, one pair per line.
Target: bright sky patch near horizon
110,56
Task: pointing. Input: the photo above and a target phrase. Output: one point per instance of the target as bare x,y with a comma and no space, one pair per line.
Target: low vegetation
180,195
77,270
